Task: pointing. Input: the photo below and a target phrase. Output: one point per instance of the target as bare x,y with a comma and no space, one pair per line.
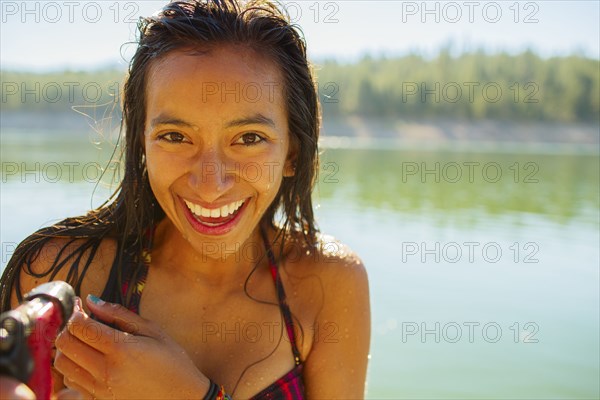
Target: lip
212,230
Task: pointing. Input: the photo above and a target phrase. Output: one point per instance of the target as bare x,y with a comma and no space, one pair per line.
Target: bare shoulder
329,259
344,278
66,259
340,327
335,257
329,283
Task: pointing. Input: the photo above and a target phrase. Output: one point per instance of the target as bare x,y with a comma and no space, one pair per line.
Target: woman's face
216,141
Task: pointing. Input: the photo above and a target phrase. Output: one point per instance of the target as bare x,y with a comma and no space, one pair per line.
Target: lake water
483,265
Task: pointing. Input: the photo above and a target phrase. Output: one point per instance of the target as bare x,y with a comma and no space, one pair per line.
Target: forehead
228,76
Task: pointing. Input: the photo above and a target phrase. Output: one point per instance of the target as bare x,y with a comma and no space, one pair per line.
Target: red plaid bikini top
290,386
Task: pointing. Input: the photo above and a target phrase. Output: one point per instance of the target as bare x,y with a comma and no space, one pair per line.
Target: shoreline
354,131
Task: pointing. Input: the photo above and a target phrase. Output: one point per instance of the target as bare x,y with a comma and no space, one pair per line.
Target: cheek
163,170
265,172
263,175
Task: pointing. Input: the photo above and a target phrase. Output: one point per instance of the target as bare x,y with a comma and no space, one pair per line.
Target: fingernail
96,300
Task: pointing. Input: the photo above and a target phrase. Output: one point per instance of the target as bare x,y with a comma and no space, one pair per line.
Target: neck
214,264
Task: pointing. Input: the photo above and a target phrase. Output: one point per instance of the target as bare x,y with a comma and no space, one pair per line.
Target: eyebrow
166,120
256,119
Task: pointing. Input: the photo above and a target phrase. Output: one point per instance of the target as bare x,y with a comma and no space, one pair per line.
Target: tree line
472,86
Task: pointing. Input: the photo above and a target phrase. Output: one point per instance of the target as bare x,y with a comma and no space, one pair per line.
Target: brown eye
172,137
251,138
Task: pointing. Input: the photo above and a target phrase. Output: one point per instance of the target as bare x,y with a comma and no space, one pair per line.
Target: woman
204,276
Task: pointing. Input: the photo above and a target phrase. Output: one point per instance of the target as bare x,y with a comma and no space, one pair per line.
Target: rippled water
483,265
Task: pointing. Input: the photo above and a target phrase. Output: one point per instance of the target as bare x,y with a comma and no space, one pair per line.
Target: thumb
120,317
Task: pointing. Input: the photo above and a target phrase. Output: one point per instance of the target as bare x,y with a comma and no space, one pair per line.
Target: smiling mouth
215,217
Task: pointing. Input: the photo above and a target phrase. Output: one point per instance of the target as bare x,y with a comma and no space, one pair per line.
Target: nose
212,174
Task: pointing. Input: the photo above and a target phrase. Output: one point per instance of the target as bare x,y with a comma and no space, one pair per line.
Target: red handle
47,326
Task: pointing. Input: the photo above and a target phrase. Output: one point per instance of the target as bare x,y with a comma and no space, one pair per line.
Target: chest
237,340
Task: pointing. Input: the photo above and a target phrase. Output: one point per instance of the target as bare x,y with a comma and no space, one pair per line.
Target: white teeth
223,211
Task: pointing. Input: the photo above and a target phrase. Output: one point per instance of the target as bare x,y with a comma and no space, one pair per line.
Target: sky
54,35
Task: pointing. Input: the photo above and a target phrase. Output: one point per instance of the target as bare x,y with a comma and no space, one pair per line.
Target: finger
72,372
95,334
72,386
81,381
79,391
78,304
69,394
120,317
81,353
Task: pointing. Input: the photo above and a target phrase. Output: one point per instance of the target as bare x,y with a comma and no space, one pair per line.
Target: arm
117,355
337,363
97,359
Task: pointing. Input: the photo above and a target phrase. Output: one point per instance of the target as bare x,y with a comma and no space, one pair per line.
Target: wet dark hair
133,209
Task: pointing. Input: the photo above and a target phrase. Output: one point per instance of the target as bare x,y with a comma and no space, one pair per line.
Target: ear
289,168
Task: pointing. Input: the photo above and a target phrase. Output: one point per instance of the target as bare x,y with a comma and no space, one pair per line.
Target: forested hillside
473,86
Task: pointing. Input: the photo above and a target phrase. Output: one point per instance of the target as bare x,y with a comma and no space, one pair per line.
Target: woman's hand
137,360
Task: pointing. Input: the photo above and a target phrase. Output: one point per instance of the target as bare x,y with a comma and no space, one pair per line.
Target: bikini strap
283,306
